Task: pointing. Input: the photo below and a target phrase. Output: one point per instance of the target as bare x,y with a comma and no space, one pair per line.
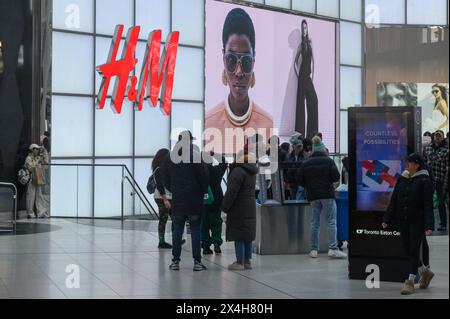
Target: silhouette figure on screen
304,69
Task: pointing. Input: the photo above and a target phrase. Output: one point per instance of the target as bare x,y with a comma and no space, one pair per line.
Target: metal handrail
14,189
140,197
133,184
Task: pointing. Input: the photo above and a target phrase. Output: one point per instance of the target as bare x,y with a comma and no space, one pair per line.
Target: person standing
162,197
211,219
298,155
240,206
436,158
411,207
186,177
37,157
317,175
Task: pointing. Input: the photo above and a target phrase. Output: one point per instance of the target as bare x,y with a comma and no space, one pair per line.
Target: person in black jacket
211,219
240,206
186,177
411,207
317,175
298,155
162,198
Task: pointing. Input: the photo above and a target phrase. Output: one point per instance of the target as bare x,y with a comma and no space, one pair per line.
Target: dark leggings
413,236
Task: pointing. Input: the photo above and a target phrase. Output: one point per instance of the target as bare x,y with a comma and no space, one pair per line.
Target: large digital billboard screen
268,70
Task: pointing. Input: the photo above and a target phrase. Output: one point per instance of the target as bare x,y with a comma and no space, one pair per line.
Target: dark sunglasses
231,61
435,91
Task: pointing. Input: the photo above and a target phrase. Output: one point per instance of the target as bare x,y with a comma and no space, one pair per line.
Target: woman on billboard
304,69
238,110
439,117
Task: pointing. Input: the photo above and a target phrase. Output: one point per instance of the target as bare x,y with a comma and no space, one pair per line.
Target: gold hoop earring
253,80
224,78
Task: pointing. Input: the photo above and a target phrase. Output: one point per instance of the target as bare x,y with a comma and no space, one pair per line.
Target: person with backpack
37,157
211,219
162,197
411,208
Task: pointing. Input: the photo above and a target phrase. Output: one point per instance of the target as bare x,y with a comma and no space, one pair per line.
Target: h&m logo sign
156,76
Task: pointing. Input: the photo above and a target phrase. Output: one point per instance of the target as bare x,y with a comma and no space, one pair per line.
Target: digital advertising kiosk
379,140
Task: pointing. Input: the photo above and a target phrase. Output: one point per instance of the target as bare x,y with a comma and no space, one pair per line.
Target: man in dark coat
240,206
411,208
317,175
211,219
186,177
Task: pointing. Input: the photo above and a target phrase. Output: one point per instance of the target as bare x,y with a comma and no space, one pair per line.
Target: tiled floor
118,262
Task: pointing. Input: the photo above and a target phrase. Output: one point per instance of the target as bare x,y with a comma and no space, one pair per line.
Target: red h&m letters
151,75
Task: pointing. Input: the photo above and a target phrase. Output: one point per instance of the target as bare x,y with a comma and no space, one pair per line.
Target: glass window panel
151,130
142,171
344,132
114,132
108,189
63,190
351,10
85,189
385,11
74,15
72,54
350,87
304,5
433,12
255,1
187,116
279,3
328,8
188,18
111,13
350,43
72,126
71,189
153,15
189,75
102,46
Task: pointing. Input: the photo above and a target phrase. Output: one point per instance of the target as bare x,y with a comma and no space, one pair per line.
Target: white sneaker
313,254
336,253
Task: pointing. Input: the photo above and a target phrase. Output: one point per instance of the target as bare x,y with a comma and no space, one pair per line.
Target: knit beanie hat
318,146
296,139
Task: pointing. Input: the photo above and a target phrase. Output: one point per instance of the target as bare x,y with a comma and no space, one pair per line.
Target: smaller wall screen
382,143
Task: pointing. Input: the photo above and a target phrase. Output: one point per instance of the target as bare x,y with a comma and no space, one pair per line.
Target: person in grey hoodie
411,208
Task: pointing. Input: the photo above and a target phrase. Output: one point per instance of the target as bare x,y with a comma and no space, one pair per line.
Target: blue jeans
177,235
298,193
243,250
328,207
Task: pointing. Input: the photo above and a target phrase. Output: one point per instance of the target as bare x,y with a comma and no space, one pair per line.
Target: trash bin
342,213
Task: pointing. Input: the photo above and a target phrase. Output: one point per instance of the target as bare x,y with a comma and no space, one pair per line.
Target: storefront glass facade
82,31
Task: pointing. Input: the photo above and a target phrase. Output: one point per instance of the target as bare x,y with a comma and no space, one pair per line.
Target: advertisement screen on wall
268,71
432,97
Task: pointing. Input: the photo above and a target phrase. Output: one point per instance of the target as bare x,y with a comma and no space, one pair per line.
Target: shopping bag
38,176
209,198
